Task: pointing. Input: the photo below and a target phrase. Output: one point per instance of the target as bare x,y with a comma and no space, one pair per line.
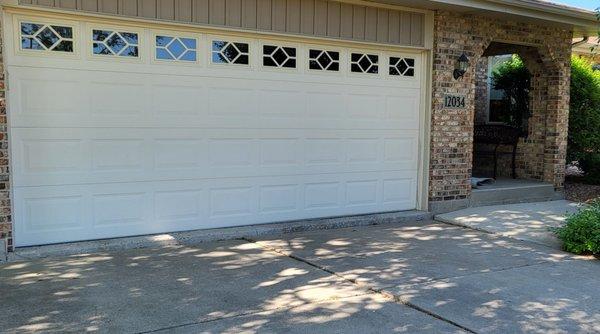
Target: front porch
508,190
524,153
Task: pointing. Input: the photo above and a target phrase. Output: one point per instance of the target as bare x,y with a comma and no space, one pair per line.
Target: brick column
5,207
546,49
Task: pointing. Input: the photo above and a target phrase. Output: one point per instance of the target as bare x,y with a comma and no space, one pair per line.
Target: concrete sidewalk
409,278
524,221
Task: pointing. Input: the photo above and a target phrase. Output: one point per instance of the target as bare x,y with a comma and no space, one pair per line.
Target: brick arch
452,131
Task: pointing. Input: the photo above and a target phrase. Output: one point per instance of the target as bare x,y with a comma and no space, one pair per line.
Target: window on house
46,37
402,67
279,56
224,52
115,43
175,48
364,63
324,60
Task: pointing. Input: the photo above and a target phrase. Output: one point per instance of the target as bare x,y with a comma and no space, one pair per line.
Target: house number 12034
454,101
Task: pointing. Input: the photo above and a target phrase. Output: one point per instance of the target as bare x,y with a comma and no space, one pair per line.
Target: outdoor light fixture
461,66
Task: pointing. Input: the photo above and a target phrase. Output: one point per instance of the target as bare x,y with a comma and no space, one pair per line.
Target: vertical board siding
200,11
293,16
307,17
320,15
49,3
279,14
166,9
183,10
263,14
147,8
88,5
68,4
233,13
249,14
358,23
108,6
216,12
333,19
325,18
128,7
371,24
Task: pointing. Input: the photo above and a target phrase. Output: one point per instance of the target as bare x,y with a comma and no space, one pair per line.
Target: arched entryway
515,139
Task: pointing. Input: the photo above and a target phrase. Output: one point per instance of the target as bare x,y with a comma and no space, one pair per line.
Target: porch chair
498,134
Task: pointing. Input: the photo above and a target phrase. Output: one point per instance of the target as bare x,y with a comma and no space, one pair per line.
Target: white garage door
119,131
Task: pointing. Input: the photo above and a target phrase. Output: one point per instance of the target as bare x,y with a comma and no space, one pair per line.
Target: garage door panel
116,146
82,156
45,214
67,98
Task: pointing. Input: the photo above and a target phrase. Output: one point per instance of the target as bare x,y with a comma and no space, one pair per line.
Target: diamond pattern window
175,48
115,43
402,66
46,37
224,52
364,63
324,60
279,56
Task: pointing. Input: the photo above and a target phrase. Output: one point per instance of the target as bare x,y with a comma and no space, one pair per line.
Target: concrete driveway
410,278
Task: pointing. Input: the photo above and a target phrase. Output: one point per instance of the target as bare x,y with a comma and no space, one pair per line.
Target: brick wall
543,154
481,90
5,214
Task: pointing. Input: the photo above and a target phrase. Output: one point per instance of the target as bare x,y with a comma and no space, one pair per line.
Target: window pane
64,46
101,49
189,43
219,58
29,43
37,36
243,60
324,60
64,32
189,56
122,44
163,40
131,38
130,51
30,28
163,54
100,35
230,53
47,37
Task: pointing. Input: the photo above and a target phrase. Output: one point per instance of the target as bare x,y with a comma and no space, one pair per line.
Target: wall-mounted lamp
461,66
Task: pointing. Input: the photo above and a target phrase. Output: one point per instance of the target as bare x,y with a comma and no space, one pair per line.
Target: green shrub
514,79
584,118
581,233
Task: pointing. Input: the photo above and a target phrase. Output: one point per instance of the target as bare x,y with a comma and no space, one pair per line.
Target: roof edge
584,20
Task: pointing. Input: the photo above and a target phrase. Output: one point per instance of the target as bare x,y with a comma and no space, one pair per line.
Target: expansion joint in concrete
396,298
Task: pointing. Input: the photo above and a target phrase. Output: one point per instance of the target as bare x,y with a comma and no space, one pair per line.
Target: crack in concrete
499,235
381,292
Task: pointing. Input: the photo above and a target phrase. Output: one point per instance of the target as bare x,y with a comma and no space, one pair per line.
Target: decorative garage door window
324,60
115,43
279,56
50,37
224,52
46,37
364,63
402,66
175,48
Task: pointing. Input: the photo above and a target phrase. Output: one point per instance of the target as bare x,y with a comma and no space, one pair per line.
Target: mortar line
386,294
